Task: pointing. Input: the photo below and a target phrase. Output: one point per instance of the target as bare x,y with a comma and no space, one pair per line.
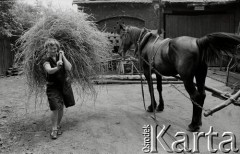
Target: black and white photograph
119,76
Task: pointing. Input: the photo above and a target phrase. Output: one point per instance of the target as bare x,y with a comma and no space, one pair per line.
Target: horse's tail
211,45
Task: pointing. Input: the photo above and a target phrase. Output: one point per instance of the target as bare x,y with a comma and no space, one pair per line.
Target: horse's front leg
159,88
153,105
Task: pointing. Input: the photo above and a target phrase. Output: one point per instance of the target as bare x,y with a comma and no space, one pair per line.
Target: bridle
124,34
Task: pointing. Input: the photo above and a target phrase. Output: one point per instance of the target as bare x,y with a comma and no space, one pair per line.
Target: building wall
137,14
109,15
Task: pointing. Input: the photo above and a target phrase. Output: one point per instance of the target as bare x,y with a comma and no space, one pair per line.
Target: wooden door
6,56
198,25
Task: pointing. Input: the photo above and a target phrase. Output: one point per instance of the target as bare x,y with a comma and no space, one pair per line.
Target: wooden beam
231,100
220,93
160,29
131,82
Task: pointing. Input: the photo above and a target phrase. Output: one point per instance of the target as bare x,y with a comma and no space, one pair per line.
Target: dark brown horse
184,56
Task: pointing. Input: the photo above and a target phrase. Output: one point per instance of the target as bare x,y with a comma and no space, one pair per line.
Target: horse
184,56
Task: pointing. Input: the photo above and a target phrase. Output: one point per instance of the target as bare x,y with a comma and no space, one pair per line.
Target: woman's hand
67,64
60,61
59,64
61,52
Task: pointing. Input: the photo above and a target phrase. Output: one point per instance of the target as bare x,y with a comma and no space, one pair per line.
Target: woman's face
52,50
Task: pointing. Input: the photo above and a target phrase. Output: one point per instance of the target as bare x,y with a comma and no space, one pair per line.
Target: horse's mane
134,31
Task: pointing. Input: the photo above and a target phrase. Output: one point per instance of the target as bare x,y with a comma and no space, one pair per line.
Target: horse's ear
122,27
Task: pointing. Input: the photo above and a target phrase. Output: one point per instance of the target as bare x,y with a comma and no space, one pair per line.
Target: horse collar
139,38
153,57
138,41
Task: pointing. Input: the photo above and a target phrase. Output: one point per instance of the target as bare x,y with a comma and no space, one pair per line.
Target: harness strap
155,50
138,49
157,72
150,80
138,42
144,104
152,91
150,71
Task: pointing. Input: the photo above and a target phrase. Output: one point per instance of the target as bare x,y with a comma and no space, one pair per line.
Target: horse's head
126,40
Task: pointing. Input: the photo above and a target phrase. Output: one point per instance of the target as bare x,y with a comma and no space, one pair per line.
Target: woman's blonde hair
51,42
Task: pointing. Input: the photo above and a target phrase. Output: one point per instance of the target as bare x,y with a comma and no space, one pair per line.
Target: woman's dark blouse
58,77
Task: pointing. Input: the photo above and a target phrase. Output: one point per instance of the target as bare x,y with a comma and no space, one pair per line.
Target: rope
151,83
152,90
176,87
140,66
142,83
150,75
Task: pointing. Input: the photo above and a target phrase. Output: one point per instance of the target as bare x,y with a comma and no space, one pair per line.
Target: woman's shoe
54,134
59,130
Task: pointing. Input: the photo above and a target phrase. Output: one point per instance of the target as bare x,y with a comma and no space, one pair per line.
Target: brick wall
137,12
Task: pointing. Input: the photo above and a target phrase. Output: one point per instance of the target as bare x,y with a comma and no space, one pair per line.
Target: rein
138,45
138,42
177,77
150,73
137,49
151,68
150,64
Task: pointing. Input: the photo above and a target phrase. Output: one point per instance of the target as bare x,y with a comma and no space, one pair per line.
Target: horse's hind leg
194,95
200,82
151,91
159,88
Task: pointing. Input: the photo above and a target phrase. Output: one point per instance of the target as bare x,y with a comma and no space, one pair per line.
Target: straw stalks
84,46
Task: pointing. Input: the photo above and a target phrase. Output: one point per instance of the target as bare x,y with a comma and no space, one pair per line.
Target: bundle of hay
83,44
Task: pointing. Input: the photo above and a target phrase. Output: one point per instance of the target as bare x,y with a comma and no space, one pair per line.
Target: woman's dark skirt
59,95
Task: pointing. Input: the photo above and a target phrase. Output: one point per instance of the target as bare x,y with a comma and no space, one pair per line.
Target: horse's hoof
149,110
199,124
159,109
193,128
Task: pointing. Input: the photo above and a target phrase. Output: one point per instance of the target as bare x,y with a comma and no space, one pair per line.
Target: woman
59,90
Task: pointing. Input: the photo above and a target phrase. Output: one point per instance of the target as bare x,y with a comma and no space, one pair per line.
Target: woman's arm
67,64
51,70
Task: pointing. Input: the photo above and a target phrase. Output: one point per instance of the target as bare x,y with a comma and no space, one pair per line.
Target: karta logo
154,135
